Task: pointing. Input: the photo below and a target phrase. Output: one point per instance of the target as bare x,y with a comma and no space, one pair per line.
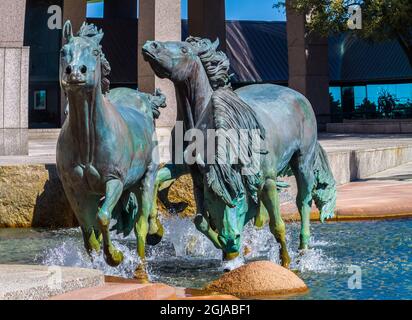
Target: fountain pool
185,258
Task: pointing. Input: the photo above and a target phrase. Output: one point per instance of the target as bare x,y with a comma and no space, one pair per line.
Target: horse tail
157,101
324,192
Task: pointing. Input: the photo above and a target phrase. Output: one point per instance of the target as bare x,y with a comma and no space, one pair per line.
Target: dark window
45,44
40,100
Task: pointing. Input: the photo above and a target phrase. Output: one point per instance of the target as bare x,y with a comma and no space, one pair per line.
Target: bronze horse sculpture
226,198
106,153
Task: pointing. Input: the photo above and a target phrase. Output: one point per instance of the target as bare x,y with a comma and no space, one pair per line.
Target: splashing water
182,243
72,253
186,258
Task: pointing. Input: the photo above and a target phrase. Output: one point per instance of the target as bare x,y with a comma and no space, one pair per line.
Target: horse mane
228,180
216,63
87,31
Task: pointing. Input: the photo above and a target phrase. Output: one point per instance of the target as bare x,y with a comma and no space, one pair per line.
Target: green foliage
381,19
367,106
386,103
335,105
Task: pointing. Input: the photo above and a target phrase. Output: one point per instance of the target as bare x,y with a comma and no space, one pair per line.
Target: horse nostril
155,45
83,69
69,69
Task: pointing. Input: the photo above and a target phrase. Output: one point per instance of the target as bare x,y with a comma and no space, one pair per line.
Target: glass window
40,100
335,94
95,9
402,91
348,100
359,95
254,10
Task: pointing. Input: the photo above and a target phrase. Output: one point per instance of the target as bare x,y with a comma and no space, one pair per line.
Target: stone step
26,282
371,199
121,291
371,127
116,288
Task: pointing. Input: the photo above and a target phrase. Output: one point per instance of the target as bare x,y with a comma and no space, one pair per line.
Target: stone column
120,9
14,79
308,66
75,11
158,20
207,19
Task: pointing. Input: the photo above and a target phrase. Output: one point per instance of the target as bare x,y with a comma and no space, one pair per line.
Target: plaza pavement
384,195
42,145
27,282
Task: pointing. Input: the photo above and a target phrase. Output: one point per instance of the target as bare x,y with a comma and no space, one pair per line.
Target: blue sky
235,10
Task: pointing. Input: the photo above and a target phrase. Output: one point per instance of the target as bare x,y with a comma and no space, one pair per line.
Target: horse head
230,166
83,66
180,60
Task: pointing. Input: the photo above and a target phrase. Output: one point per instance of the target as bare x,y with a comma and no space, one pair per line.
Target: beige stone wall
14,79
12,15
158,20
308,65
200,13
32,196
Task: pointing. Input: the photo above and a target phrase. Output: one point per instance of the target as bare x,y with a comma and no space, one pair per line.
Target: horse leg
305,181
201,221
262,216
114,190
270,199
203,225
156,231
147,199
91,241
164,181
85,208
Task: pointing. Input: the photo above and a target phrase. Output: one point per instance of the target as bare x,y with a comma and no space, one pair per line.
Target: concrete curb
365,200
26,282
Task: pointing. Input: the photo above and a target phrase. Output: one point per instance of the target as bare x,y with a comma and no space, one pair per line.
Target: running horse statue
107,151
228,193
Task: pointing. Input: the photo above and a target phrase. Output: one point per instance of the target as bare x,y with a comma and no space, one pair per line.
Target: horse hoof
155,238
140,275
286,262
175,208
114,257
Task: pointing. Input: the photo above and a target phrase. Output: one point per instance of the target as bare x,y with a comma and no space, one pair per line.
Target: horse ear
98,37
215,44
68,30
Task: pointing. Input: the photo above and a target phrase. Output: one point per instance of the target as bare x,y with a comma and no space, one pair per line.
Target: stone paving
116,288
25,282
342,142
384,195
42,145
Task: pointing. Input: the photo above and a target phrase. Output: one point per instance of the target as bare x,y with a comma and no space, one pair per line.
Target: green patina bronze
106,153
227,198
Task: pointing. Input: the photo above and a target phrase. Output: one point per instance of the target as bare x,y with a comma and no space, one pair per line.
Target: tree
381,19
368,108
386,103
